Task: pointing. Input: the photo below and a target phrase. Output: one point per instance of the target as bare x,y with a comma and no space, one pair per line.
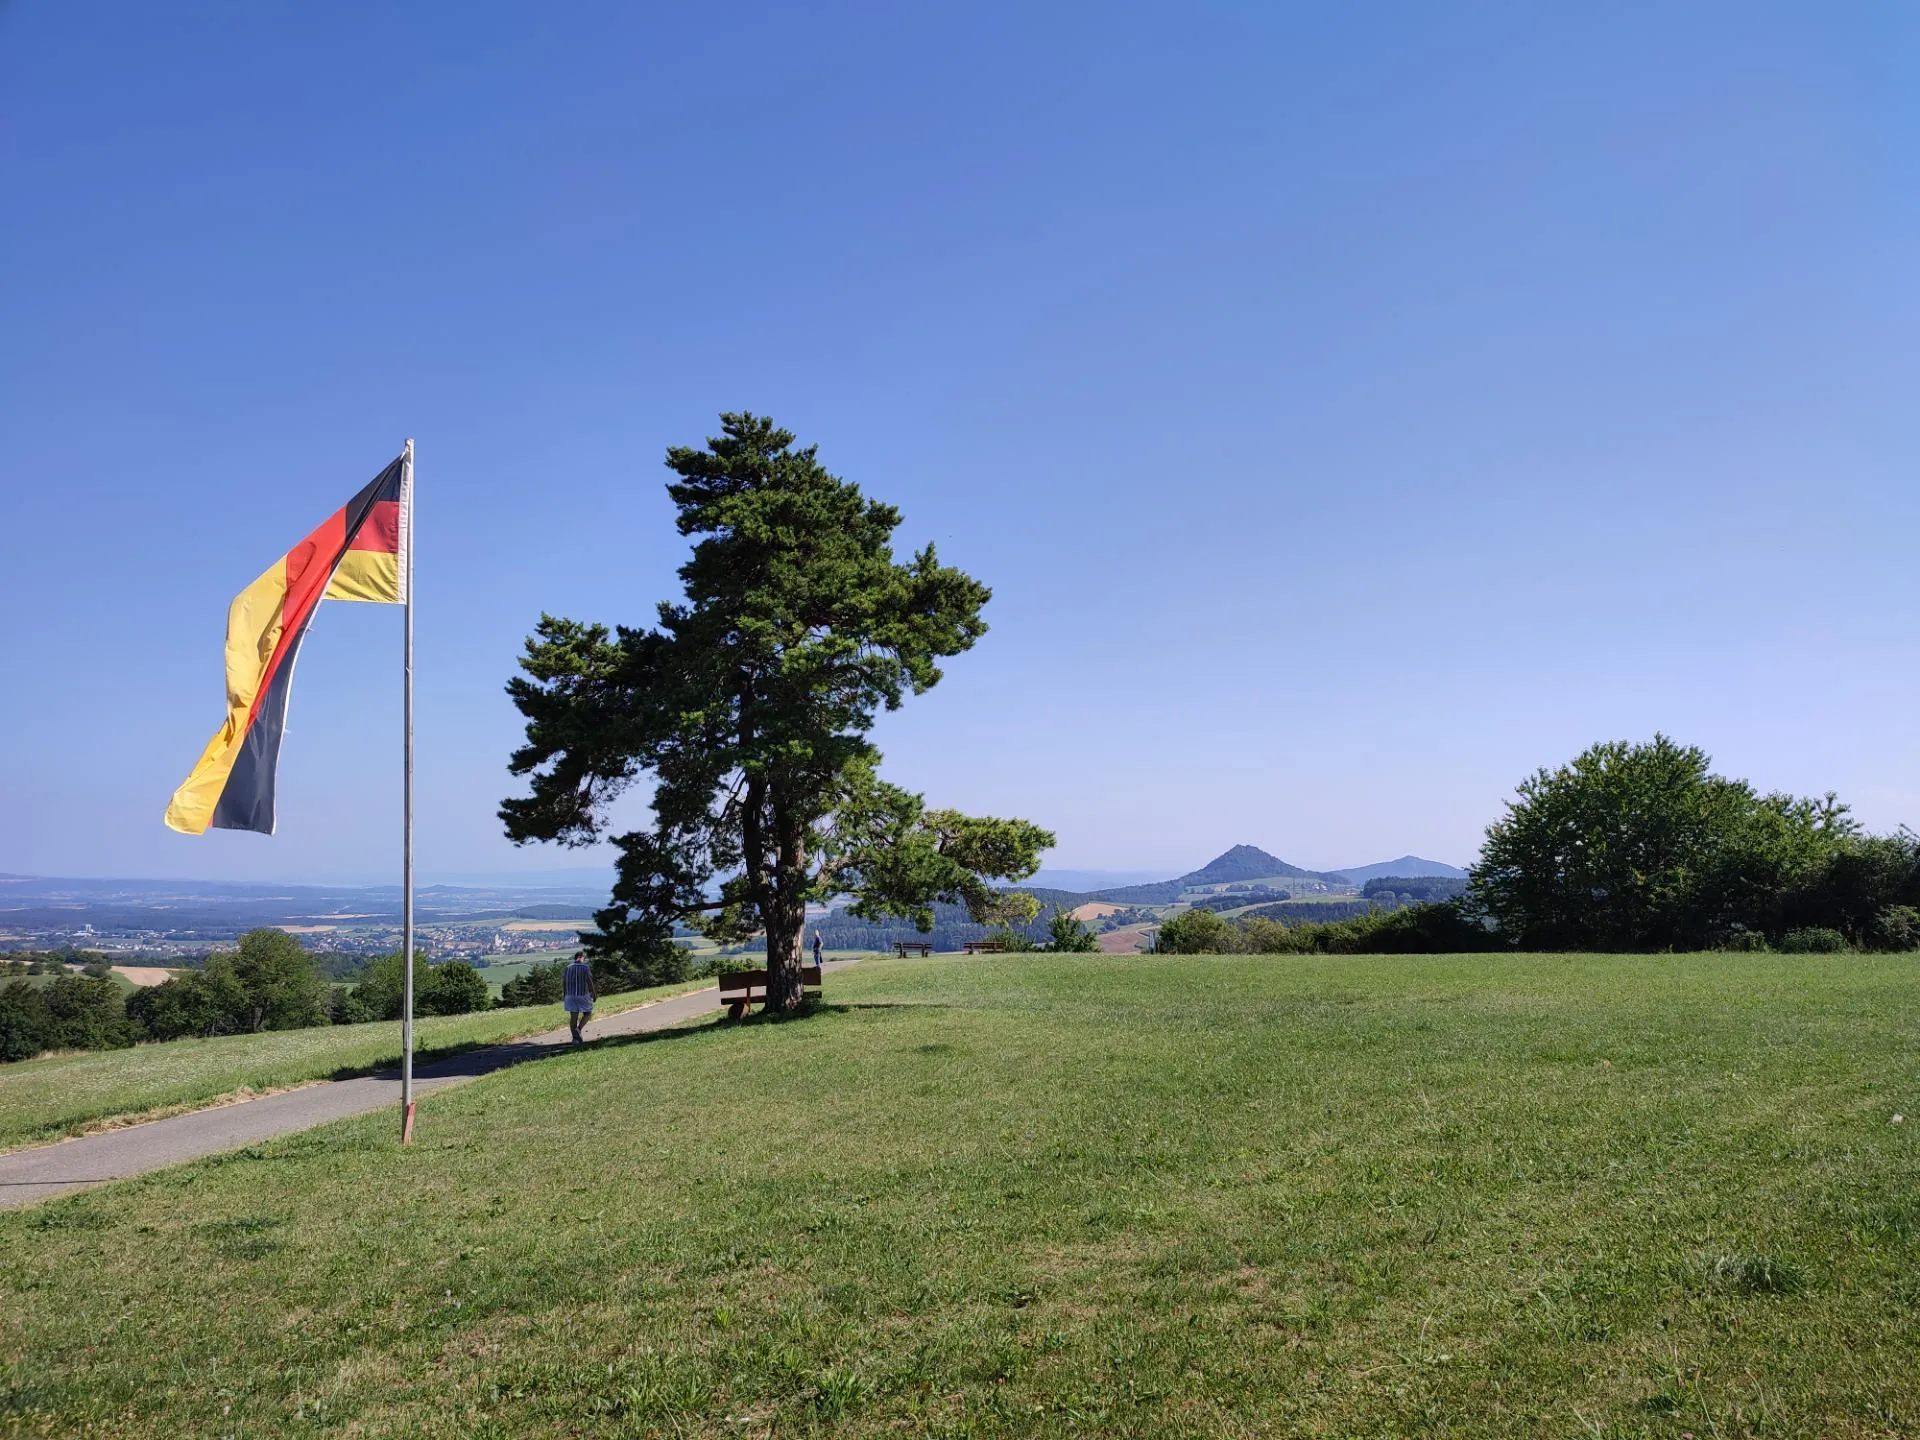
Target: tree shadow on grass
473,1059
817,1008
388,1068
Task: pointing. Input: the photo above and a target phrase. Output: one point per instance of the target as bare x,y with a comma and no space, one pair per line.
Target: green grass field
121,983
45,1099
498,972
1342,1196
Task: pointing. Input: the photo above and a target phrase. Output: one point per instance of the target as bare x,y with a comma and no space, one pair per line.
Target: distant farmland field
500,969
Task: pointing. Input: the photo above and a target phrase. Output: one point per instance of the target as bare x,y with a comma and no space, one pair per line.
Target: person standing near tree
578,996
816,949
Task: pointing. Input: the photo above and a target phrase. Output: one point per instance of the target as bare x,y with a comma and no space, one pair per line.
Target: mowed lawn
1410,1196
43,1100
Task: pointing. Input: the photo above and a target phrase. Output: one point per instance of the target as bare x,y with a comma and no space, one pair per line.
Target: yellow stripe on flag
372,575
253,633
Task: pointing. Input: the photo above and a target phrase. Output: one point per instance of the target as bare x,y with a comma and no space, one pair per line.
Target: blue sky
1352,407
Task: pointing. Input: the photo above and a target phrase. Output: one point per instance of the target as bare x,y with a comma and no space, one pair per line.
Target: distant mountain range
1241,863
1249,862
1407,865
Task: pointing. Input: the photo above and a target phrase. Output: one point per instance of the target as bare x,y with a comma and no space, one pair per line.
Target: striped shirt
579,992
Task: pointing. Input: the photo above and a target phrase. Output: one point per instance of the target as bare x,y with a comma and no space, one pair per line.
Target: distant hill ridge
1409,866
1241,863
1250,862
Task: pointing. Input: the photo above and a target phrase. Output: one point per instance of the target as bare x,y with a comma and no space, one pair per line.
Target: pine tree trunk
787,926
785,960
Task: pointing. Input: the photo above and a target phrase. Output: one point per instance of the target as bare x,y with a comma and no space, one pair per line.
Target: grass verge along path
1458,1196
43,1100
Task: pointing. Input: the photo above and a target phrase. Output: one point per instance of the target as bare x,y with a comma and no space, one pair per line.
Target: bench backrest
751,980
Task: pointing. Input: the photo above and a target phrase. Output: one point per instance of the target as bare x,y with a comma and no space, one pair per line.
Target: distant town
133,921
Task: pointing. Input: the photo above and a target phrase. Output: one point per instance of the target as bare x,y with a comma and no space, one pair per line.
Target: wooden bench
742,988
900,948
984,947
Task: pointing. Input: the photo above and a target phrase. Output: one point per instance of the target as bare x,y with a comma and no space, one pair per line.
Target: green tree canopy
283,987
748,707
1067,936
380,992
455,988
542,984
267,983
1642,847
24,1023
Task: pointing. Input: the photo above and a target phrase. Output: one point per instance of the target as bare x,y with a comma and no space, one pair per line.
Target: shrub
24,1023
1445,928
85,1013
709,968
1010,938
380,993
197,1003
1067,936
268,983
1813,940
454,988
1897,927
542,984
1197,932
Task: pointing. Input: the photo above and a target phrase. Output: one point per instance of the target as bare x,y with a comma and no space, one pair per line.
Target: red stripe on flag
380,530
310,565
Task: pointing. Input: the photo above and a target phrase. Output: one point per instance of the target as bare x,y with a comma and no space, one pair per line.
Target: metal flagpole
406,807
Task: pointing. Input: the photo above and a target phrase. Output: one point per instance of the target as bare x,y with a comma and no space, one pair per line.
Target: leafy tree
268,983
380,993
85,1012
1638,847
24,1022
283,988
1859,887
1068,936
1197,932
748,706
455,988
1414,888
1010,938
542,984
202,1002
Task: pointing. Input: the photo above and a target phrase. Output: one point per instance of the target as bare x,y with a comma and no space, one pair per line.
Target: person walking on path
816,949
578,998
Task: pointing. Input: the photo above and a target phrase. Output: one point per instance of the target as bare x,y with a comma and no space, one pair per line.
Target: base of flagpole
406,1126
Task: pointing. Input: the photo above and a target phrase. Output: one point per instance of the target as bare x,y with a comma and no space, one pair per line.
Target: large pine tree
748,707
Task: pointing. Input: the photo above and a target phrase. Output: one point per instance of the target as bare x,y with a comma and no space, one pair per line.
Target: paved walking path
47,1170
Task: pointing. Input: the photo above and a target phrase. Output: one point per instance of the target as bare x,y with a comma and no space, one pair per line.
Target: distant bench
900,948
984,947
742,988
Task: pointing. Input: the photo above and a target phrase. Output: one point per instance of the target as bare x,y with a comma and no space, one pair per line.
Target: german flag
359,553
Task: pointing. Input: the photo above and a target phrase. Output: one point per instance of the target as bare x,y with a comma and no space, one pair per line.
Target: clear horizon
1352,412
555,876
